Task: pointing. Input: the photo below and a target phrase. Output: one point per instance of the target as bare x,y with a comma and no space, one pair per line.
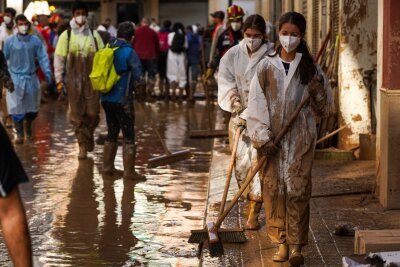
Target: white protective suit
176,64
273,98
236,71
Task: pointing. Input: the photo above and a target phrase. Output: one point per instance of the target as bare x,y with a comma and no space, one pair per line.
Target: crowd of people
260,85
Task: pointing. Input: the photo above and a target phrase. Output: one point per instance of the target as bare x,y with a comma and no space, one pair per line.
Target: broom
211,232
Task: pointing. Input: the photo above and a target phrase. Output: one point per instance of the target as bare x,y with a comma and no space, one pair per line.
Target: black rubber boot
19,128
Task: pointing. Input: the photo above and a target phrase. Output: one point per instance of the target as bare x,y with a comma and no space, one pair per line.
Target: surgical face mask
80,20
7,19
23,29
253,44
236,26
289,43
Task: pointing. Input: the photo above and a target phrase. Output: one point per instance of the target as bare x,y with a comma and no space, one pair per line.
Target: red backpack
163,39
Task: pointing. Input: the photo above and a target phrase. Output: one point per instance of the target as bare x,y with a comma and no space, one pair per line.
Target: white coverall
236,71
176,64
287,181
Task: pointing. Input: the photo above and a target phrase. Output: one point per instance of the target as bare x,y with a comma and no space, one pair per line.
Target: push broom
212,232
168,157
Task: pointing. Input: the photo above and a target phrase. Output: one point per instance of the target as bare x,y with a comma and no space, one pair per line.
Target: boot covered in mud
254,209
129,158
19,128
282,254
82,151
296,258
150,90
28,129
174,86
109,153
181,94
192,90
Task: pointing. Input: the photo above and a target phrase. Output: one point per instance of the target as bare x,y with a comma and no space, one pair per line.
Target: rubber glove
209,73
60,87
269,149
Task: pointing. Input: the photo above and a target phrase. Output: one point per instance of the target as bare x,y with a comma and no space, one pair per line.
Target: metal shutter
315,26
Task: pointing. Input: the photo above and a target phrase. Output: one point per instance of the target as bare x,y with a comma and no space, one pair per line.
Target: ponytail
307,67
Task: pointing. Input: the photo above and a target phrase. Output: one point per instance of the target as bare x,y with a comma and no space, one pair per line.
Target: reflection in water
77,218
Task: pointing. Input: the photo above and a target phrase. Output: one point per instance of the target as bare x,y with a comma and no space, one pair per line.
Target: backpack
177,43
163,39
104,76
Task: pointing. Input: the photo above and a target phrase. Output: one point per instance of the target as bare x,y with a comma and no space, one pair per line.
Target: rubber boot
192,89
296,258
150,91
28,130
174,85
82,151
161,88
19,128
109,153
254,212
281,255
180,94
129,157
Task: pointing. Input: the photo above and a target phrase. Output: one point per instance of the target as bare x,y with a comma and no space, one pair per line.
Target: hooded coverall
273,98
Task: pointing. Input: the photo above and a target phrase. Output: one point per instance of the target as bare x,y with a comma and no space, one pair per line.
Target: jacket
146,43
125,61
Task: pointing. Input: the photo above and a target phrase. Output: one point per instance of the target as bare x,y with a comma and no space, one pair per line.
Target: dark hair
21,17
255,22
126,30
79,5
167,23
307,67
10,10
178,26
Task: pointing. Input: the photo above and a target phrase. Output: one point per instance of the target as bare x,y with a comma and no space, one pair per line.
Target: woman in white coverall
236,69
282,81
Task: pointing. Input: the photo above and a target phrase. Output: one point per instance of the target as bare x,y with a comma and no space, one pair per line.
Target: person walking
21,51
118,104
162,59
74,59
193,56
236,69
176,62
5,79
7,29
283,79
146,45
13,220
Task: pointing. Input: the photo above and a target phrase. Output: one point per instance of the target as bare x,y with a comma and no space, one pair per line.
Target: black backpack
177,45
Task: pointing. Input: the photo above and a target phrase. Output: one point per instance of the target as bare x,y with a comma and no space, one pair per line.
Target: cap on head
218,14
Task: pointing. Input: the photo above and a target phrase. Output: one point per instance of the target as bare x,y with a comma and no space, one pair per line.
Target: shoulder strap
68,39
95,40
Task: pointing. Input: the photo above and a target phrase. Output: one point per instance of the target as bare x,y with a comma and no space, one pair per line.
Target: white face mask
236,26
7,19
289,43
23,29
253,44
80,20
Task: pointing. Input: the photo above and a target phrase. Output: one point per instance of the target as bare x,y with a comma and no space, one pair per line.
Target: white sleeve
258,121
59,67
227,88
170,38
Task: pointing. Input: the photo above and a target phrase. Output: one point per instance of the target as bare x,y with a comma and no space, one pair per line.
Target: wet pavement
77,218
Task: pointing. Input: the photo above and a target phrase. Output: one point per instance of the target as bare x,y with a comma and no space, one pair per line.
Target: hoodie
125,61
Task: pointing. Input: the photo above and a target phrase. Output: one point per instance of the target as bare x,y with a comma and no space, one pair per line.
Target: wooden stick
324,44
231,164
260,163
331,134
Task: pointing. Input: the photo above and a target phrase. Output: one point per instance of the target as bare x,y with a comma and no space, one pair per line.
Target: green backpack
104,76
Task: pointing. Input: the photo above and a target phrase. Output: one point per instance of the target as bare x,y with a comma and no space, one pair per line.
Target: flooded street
77,218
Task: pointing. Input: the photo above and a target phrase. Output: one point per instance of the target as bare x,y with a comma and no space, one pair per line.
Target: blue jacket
125,61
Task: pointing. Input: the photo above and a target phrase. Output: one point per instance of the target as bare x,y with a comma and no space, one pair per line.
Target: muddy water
77,218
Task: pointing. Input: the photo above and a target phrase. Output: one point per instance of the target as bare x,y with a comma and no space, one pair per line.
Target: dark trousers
120,117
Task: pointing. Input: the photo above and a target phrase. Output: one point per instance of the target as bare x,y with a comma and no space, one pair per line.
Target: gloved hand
60,86
316,87
237,107
238,122
209,73
269,149
9,85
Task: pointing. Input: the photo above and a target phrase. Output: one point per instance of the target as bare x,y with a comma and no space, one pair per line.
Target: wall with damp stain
357,60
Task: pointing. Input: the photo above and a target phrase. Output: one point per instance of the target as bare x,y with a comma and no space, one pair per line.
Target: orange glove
60,87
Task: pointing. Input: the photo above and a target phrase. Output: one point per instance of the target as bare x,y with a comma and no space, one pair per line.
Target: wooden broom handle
260,163
230,170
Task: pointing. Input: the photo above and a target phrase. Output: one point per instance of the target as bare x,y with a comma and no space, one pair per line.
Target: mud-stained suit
74,57
273,98
236,70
